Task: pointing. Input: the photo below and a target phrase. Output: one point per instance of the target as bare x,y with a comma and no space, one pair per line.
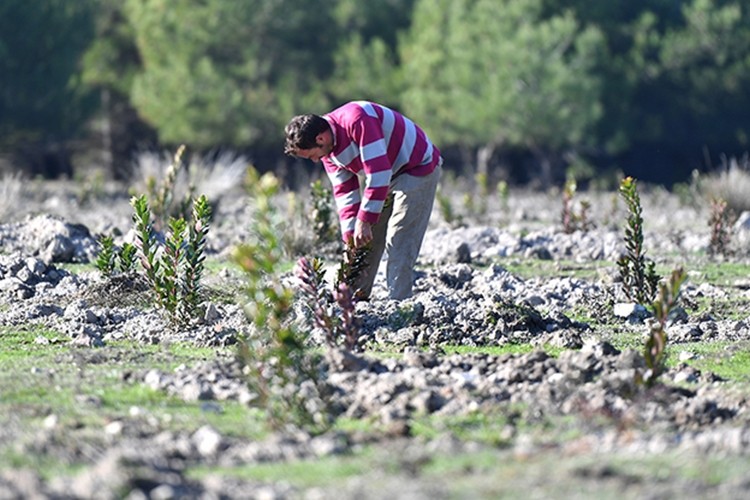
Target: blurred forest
528,91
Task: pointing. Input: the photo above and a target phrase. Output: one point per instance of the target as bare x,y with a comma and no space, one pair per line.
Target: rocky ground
558,423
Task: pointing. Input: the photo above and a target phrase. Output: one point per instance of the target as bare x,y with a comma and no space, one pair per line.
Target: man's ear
320,139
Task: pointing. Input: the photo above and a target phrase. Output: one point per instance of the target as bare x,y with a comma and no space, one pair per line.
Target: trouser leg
364,283
413,198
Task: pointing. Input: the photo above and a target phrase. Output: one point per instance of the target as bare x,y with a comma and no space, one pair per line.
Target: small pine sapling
312,285
639,279
353,265
483,191
111,258
446,209
348,325
503,192
655,351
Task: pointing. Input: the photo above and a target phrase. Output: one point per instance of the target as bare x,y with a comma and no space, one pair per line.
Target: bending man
384,171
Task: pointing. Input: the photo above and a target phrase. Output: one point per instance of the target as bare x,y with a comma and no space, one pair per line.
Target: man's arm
367,132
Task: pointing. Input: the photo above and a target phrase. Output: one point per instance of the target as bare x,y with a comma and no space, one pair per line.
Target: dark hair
301,132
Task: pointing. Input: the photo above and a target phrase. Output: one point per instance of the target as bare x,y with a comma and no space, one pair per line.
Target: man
384,171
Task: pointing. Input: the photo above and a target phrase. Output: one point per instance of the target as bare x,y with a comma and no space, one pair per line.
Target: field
511,372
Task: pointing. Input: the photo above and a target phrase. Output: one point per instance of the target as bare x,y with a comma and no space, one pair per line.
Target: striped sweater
376,143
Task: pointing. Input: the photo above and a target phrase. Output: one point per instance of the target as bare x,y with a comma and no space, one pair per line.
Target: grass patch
728,308
318,472
499,350
41,375
76,268
720,273
530,268
494,429
729,360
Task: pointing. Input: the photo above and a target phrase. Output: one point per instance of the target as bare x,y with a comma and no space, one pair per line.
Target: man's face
324,148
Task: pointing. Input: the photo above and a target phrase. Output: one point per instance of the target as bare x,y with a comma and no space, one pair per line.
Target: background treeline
524,90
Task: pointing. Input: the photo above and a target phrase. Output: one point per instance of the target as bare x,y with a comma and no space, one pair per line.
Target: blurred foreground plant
281,371
173,271
655,351
639,279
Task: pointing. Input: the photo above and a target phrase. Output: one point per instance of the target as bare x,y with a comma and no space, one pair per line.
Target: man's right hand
362,233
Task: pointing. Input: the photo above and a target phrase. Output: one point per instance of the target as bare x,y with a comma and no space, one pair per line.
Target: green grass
499,350
479,427
320,472
720,273
76,268
529,268
491,472
41,374
728,308
729,360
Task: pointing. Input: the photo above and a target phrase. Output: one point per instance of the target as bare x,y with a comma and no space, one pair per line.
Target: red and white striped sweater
379,143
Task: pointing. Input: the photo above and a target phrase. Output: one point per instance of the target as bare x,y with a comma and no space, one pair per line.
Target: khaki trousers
400,231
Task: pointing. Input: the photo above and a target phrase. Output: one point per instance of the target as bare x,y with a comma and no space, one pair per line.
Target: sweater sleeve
346,194
367,133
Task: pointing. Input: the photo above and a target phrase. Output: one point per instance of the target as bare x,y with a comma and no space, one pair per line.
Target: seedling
174,271
105,260
483,192
720,223
322,213
109,256
337,322
447,211
503,192
639,279
655,351
274,355
573,221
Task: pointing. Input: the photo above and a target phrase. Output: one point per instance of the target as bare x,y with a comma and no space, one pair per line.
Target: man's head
308,136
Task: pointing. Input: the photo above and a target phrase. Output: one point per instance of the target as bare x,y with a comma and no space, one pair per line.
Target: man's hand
362,233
